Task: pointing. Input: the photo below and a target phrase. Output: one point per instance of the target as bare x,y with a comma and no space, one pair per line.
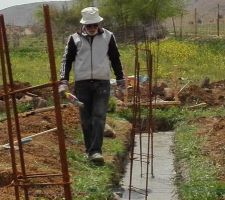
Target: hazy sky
8,3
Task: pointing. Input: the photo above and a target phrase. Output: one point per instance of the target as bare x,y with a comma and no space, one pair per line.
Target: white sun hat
90,15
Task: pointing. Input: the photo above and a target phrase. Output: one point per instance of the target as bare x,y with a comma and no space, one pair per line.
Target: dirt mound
213,95
214,147
17,85
41,154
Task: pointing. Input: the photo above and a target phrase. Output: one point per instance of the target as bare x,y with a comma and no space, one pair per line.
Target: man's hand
63,87
121,89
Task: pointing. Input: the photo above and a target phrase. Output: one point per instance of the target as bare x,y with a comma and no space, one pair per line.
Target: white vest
92,61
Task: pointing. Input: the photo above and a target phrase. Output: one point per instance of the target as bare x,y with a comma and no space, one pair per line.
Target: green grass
91,182
192,60
2,116
178,116
30,60
200,181
24,107
196,173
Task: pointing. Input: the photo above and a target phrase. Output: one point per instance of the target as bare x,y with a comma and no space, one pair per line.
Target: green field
190,59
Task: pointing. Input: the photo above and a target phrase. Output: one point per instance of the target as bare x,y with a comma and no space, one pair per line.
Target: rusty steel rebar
20,179
7,106
60,131
134,121
24,90
144,157
16,118
150,123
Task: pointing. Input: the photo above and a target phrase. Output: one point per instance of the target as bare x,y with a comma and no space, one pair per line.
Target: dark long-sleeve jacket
93,57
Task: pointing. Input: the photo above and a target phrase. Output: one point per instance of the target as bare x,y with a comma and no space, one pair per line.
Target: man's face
91,29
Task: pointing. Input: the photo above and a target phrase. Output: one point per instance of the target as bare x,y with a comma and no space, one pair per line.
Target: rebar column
18,132
140,100
60,131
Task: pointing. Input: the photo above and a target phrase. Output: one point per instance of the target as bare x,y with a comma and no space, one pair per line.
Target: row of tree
116,13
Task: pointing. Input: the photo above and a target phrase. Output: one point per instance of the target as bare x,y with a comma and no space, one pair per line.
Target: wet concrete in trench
160,185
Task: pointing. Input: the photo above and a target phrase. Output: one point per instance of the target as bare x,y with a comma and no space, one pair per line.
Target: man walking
93,51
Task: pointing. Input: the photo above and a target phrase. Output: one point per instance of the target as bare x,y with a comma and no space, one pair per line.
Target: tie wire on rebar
137,103
20,179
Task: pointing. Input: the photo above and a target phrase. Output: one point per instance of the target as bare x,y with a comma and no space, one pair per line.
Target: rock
168,94
109,132
119,102
158,89
119,94
205,83
120,105
116,196
39,102
26,99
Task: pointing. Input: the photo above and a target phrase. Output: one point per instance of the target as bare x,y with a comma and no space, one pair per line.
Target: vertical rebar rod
8,114
134,123
137,115
148,144
60,131
18,132
138,130
138,118
150,132
150,112
149,65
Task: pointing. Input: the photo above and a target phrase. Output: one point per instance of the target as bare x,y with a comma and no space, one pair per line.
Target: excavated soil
42,156
214,147
212,127
212,95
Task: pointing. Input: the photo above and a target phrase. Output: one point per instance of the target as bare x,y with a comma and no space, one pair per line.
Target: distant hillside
23,15
207,9
206,5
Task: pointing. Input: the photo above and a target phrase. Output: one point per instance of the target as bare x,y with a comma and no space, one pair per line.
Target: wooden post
181,25
195,22
218,21
174,28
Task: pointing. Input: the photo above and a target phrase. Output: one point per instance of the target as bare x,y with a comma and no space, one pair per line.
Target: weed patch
197,180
